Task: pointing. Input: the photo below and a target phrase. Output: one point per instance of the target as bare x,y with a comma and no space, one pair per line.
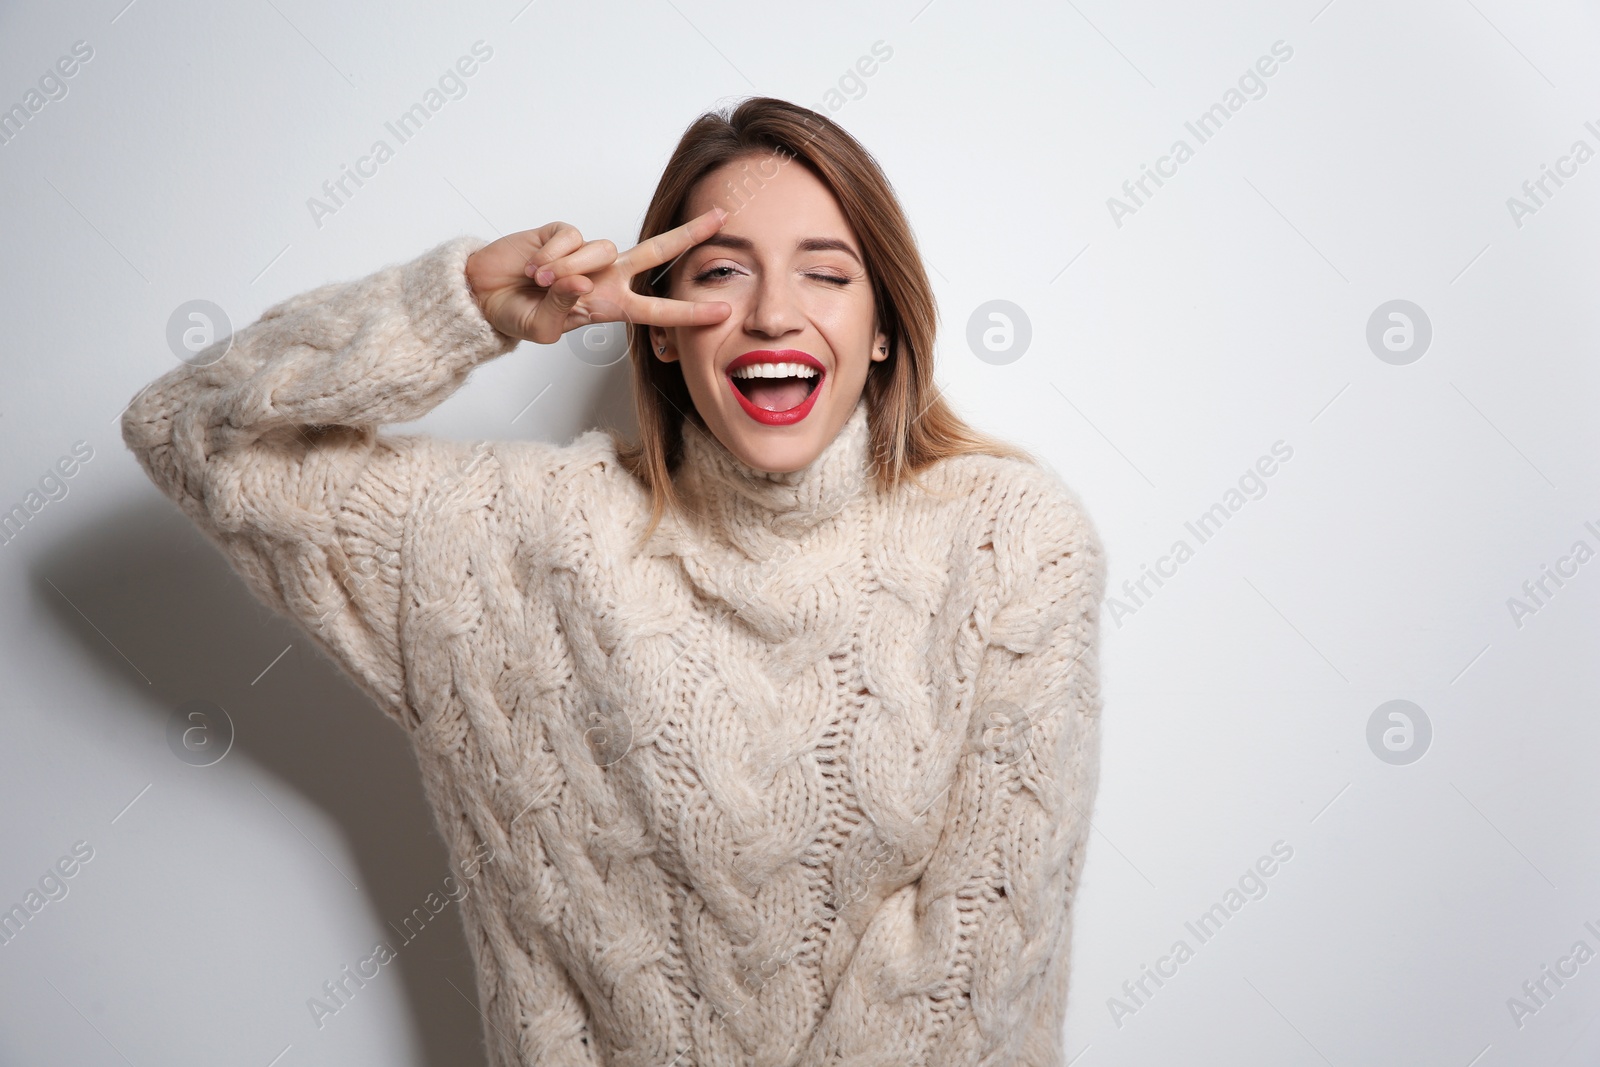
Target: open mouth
776,386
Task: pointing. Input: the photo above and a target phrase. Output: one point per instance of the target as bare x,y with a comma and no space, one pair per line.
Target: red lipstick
788,416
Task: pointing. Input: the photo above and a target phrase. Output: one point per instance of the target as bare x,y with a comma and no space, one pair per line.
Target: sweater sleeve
969,965
273,450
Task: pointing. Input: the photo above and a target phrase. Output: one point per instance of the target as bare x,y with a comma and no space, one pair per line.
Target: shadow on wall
167,598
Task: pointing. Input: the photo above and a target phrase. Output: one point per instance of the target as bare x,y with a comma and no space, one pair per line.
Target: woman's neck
727,494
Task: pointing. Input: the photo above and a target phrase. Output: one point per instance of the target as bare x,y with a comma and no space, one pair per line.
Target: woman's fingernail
544,275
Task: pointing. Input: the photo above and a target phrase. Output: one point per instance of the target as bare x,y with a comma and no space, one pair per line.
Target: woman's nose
774,309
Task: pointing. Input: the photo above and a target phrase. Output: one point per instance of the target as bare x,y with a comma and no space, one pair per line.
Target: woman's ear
880,346
661,346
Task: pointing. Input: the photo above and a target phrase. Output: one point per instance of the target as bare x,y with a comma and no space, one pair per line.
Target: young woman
779,729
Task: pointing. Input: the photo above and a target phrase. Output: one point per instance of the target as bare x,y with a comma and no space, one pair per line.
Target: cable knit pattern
806,781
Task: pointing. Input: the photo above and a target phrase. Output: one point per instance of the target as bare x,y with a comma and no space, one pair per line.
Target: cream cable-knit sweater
806,782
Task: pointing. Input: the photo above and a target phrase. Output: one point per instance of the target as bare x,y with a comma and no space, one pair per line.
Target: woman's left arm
970,964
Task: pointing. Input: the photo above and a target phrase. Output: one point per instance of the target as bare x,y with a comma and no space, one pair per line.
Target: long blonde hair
910,425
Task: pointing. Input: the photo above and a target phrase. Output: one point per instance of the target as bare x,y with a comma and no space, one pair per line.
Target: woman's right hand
585,282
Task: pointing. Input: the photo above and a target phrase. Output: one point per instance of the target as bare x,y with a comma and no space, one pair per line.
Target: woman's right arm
273,450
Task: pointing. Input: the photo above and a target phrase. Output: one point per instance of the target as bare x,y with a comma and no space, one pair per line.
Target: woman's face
790,266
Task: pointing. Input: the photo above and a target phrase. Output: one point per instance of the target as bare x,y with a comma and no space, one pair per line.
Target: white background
1168,353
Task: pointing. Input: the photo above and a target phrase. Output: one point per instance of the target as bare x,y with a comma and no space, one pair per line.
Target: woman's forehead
772,198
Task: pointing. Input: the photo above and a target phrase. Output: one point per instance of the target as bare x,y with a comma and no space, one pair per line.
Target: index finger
672,243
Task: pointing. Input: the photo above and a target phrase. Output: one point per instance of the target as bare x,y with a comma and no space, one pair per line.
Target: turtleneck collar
726,491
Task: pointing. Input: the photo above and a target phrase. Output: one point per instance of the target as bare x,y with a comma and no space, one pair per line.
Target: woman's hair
910,425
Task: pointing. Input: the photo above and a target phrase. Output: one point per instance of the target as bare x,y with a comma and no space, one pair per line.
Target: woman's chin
777,442
774,449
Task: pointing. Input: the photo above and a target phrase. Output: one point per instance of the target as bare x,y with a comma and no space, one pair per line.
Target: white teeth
775,370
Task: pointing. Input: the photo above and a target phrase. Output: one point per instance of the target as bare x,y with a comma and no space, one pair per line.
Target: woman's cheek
845,329
833,316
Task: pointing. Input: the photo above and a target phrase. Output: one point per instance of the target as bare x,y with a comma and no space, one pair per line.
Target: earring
661,348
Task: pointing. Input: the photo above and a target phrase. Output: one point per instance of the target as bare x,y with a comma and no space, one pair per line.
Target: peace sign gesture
538,284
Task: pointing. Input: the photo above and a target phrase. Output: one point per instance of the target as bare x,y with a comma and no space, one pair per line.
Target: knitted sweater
806,781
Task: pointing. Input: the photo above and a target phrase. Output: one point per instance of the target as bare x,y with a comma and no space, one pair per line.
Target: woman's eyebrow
829,243
808,244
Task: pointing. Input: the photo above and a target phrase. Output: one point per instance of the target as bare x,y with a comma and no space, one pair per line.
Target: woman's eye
715,274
